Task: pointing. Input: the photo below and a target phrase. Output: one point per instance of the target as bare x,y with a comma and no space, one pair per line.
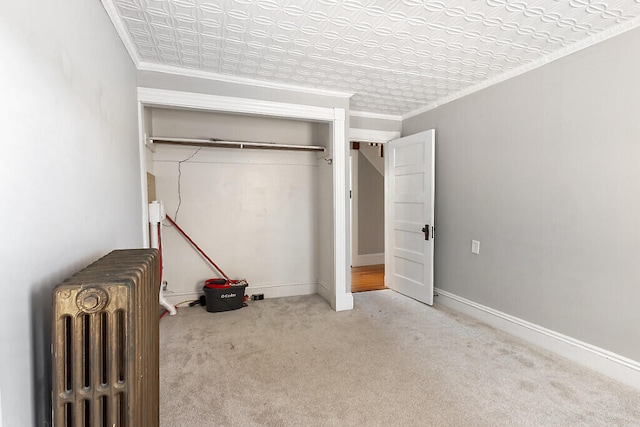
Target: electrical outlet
164,285
257,297
475,247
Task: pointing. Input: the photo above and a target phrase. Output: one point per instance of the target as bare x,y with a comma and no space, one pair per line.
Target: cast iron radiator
105,343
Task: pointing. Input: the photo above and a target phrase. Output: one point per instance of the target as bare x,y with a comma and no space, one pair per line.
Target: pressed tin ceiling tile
395,56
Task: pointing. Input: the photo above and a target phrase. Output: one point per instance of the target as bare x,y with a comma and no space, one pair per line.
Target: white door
409,199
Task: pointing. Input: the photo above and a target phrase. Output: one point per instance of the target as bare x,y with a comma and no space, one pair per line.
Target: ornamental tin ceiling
395,56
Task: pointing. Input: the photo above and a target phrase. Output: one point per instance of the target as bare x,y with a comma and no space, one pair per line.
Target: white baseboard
614,366
177,297
344,302
368,259
283,290
325,292
269,291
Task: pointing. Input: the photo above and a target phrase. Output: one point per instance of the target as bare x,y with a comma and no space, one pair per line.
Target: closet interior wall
257,213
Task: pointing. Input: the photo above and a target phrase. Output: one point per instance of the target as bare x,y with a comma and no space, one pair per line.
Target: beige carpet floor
390,362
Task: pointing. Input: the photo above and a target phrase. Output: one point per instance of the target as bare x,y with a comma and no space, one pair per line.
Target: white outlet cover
475,246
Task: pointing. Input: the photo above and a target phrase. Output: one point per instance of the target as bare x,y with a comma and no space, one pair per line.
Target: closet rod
234,144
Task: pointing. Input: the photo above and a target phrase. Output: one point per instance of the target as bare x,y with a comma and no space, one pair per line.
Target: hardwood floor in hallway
367,278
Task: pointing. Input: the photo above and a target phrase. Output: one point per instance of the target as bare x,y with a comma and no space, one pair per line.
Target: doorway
367,208
408,208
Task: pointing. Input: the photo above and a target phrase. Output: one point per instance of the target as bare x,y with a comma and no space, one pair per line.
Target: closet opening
271,216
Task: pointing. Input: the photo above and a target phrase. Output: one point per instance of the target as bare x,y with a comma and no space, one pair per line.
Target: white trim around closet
343,299
340,298
228,104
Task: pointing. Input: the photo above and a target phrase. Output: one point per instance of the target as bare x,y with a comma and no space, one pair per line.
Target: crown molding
554,56
368,115
121,30
189,72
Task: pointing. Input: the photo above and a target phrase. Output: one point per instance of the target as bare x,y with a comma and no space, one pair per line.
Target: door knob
425,230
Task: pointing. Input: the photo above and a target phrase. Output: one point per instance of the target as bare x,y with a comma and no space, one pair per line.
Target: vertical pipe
156,215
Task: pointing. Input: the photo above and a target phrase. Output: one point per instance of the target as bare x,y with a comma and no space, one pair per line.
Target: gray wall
70,174
370,208
544,170
358,122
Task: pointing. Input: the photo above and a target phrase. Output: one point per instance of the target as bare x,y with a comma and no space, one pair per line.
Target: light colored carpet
390,362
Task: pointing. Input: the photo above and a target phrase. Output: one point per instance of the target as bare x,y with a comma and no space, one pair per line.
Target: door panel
409,200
